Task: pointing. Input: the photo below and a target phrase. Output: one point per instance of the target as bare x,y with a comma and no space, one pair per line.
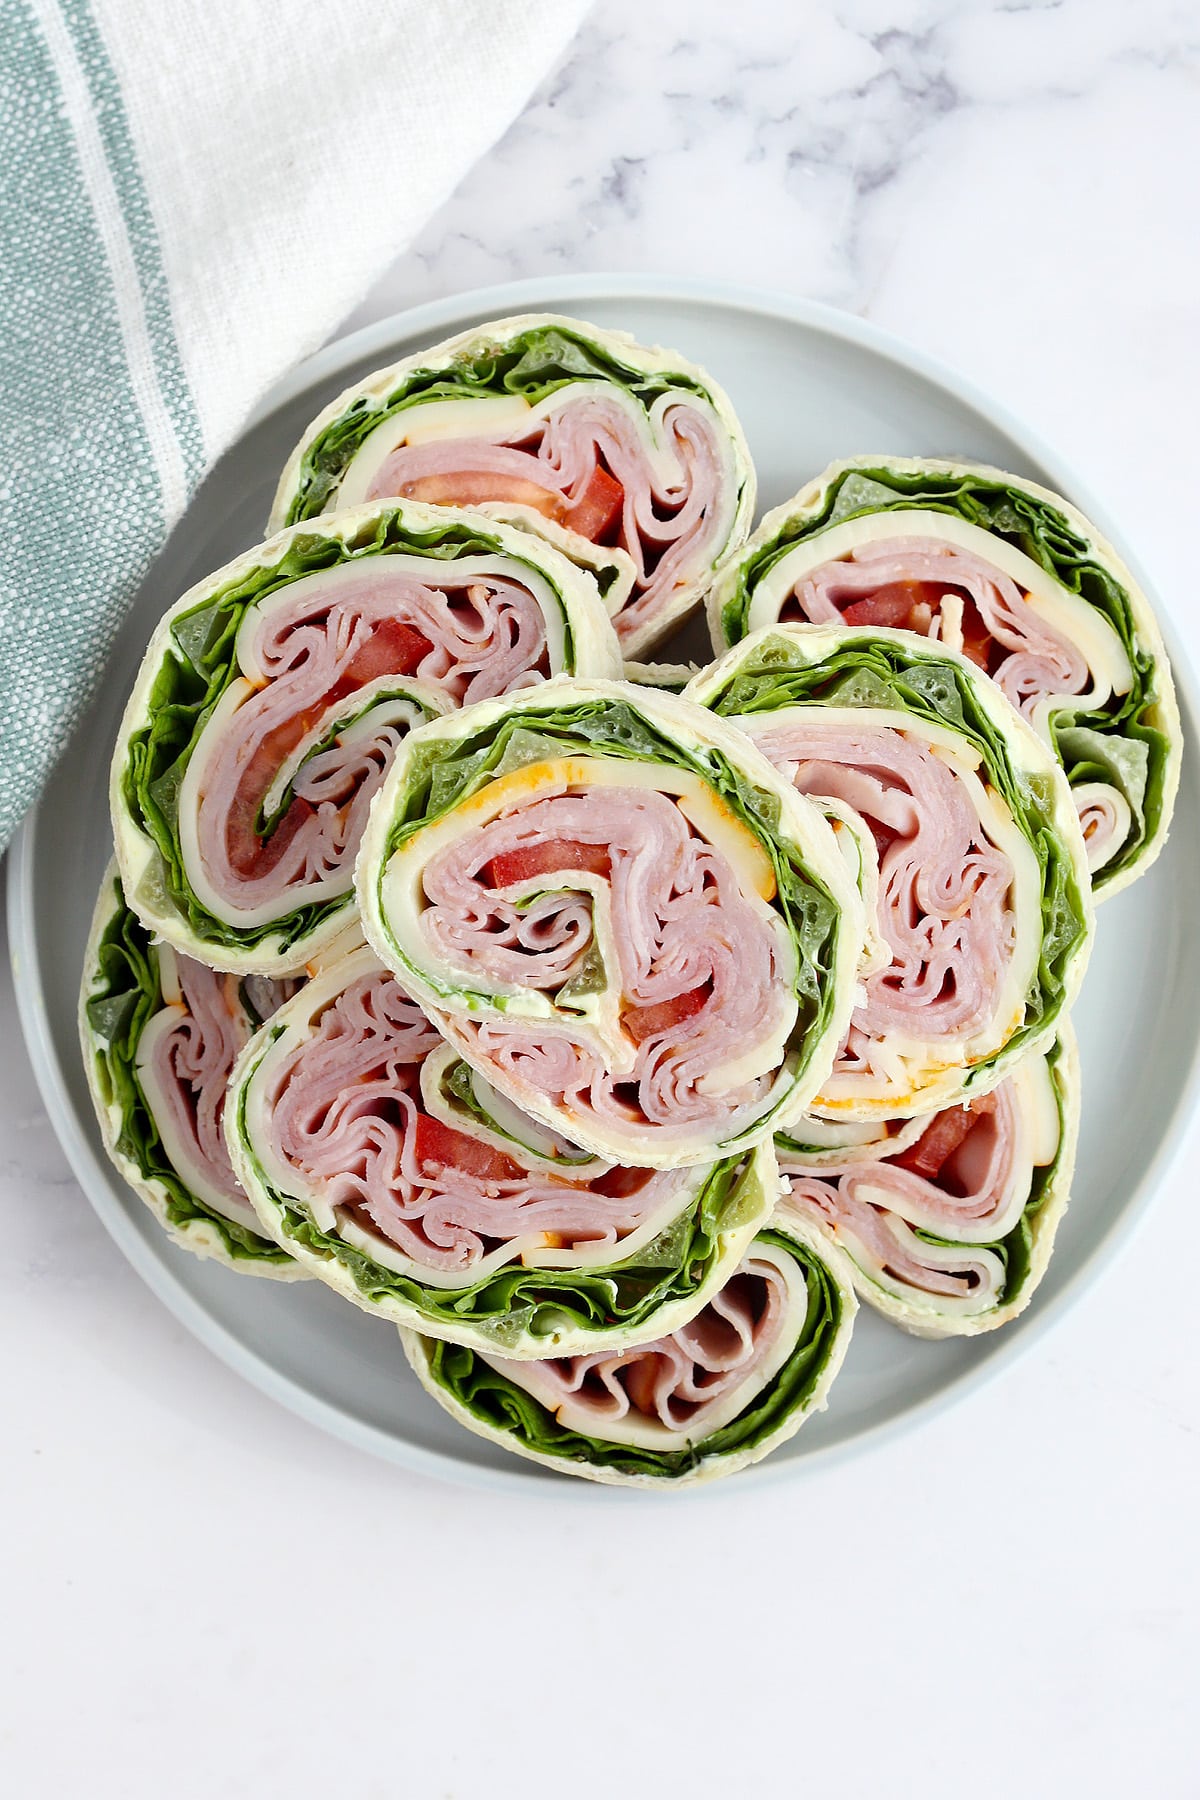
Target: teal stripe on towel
80,504
113,124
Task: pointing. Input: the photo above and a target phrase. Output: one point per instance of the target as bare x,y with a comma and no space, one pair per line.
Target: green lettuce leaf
499,1402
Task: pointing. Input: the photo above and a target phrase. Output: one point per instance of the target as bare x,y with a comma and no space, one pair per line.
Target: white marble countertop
203,1595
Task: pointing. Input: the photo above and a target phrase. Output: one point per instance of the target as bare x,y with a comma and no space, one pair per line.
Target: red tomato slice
890,606
883,834
619,1184
942,1137
250,854
393,648
441,1147
978,642
472,487
528,860
912,606
642,1022
903,605
596,510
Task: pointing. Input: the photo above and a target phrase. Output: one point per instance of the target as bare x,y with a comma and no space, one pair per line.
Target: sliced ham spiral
872,1204
926,1208
185,1056
670,524
921,584
344,1115
704,977
629,447
711,1395
944,590
944,896
311,654
677,1383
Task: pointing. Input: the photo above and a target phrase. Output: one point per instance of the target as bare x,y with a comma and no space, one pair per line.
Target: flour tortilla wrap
403,1180
948,1222
634,446
714,1396
273,695
160,1035
972,859
1016,576
619,914
672,678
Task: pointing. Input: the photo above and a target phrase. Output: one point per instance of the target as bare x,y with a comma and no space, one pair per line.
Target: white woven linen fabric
193,194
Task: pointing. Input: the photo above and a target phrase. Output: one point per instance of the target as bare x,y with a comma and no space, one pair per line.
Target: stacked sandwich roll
621,444
608,1030
1014,578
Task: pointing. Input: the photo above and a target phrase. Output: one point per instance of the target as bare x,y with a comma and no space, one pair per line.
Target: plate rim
440,315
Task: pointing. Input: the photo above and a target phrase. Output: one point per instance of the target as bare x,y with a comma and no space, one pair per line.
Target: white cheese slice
498,419
948,626
832,1135
166,963
1037,1102
854,840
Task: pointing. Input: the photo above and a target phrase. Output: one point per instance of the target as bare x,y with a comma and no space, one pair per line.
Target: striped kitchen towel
193,194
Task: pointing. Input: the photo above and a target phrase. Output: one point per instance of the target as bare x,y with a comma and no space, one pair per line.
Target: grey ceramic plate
809,384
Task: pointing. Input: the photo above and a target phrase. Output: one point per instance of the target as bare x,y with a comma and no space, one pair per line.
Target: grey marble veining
781,143
1012,186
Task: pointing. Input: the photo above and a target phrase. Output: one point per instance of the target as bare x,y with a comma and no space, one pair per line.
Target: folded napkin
194,193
